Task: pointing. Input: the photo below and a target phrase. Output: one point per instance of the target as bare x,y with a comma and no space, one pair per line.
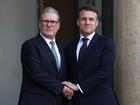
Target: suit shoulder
105,39
31,40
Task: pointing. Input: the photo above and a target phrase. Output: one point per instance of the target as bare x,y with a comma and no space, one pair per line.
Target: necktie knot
84,40
52,43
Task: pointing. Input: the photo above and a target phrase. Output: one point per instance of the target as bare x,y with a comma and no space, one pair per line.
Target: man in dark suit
90,62
43,65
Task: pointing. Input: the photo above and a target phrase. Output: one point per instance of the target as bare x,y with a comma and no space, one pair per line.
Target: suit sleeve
32,67
104,71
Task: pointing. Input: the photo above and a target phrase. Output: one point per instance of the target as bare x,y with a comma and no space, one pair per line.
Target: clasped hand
69,88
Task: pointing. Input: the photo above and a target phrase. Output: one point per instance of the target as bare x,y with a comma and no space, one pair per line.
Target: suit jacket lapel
62,67
90,48
74,49
47,50
92,43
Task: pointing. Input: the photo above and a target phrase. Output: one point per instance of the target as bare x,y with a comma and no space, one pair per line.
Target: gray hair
50,10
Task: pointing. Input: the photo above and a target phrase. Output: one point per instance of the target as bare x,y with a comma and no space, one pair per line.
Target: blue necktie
82,49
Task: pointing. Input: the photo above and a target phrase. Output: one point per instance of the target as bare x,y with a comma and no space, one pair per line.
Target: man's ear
97,23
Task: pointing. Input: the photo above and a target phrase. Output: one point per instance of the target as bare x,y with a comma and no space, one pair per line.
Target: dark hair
89,8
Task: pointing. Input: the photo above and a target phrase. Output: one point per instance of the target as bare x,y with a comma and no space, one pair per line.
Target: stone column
127,39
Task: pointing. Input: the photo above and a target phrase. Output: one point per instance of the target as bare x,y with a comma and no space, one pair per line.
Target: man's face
87,22
49,25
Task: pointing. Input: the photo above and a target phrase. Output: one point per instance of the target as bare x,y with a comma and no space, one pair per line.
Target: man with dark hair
90,62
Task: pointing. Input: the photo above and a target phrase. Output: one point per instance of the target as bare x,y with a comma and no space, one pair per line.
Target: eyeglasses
52,22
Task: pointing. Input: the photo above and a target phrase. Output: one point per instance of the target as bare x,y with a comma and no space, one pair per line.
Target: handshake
69,88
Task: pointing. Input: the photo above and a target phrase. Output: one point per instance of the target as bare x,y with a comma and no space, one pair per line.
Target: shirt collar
89,36
46,39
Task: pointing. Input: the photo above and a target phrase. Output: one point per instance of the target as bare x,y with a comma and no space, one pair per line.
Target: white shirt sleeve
80,88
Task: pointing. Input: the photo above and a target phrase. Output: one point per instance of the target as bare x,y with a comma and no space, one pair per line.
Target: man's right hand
68,92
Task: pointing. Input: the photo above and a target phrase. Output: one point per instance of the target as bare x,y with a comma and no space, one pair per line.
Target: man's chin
87,33
49,36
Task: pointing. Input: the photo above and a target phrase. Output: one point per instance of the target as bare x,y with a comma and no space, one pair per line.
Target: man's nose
87,21
48,23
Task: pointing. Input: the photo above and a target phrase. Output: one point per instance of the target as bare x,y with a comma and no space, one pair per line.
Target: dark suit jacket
41,84
94,73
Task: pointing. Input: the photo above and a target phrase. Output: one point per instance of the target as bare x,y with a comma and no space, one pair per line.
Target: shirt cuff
80,89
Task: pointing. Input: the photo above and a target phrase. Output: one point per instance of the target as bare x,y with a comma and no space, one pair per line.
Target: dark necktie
82,49
54,53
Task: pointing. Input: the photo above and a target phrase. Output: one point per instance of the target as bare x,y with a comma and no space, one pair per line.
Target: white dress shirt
80,43
56,47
